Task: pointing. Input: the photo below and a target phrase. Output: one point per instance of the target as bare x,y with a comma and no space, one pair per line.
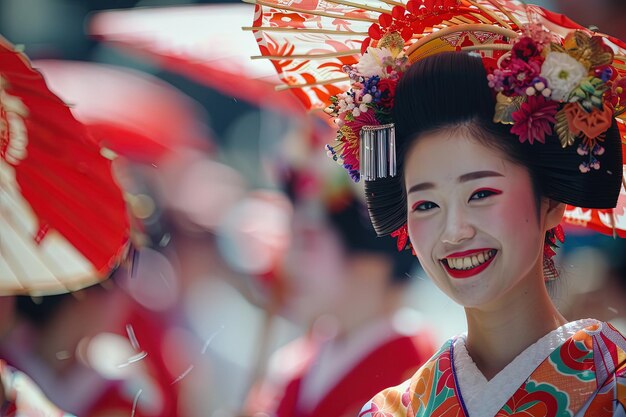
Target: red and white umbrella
130,112
204,43
63,219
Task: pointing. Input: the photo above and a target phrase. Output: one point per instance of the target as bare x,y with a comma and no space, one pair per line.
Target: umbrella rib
460,28
321,82
490,13
488,47
303,30
359,6
308,56
393,3
311,12
506,13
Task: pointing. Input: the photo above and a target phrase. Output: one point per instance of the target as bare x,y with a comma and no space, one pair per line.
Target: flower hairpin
369,101
571,89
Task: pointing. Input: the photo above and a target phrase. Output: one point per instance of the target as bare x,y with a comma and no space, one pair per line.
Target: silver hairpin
378,152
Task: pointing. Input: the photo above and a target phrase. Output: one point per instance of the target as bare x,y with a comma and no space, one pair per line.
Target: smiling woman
474,124
480,208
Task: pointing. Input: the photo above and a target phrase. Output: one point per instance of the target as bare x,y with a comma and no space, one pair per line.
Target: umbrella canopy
63,219
132,113
201,42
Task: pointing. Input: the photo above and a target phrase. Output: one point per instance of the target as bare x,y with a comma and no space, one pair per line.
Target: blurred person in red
346,286
94,352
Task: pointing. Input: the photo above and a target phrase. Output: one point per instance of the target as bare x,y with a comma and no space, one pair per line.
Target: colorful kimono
578,370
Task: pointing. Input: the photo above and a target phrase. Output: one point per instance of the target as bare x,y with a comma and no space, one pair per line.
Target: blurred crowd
256,286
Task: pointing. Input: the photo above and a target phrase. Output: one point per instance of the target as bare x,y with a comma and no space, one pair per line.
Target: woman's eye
424,206
484,193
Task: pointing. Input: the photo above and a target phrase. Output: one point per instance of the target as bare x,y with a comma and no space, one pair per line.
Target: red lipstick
467,273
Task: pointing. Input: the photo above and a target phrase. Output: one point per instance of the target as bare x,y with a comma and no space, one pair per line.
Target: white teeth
470,262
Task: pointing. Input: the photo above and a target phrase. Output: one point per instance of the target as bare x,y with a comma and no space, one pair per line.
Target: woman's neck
497,334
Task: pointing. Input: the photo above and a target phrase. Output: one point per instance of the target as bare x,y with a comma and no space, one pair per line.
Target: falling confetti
63,355
613,310
165,240
184,374
135,402
133,359
132,337
210,339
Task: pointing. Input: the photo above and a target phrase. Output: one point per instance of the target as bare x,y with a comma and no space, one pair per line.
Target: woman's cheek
421,234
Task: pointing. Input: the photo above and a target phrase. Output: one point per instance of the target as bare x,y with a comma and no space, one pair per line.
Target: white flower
563,73
371,63
367,98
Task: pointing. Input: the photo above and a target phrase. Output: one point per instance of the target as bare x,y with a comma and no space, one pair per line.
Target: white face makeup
472,217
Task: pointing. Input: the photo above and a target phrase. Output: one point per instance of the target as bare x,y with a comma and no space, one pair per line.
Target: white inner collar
485,398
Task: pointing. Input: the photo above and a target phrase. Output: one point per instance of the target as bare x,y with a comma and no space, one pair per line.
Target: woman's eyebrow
477,175
463,178
420,187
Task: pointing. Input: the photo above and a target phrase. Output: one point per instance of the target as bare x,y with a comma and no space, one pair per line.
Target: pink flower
522,74
533,121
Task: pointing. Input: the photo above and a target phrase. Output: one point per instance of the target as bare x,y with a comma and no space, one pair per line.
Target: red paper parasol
63,220
201,42
132,113
310,41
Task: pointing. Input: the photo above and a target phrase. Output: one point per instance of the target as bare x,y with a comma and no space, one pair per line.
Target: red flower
292,20
387,88
533,121
525,48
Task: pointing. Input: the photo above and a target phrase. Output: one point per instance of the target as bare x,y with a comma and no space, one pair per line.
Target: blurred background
244,277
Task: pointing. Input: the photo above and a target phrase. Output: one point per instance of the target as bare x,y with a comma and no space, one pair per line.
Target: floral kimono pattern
583,377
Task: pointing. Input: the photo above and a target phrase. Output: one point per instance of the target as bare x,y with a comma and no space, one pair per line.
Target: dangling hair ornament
365,144
549,251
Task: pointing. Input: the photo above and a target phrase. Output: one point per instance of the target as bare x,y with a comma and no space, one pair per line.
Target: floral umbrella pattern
63,219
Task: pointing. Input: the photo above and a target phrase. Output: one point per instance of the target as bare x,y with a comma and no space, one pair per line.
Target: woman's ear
554,215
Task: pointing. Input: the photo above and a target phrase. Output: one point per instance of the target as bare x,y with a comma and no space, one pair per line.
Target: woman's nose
458,228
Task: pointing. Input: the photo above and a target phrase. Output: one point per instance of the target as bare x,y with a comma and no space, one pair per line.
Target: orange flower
591,124
292,20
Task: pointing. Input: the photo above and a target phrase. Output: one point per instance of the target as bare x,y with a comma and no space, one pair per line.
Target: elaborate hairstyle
536,76
448,90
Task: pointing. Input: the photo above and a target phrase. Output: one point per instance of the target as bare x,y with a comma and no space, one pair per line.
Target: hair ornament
567,87
550,77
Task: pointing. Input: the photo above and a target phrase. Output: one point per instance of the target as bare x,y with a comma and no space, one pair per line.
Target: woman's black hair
449,90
